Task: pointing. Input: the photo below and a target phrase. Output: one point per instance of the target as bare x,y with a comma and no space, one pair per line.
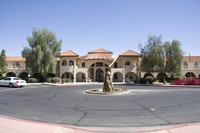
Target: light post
29,78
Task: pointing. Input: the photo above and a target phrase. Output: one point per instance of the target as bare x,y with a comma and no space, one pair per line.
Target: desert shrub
149,79
142,81
55,80
48,79
33,80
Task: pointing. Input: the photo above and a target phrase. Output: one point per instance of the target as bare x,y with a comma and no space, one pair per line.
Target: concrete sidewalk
13,125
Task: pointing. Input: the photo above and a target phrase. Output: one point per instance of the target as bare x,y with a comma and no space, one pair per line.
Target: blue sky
115,25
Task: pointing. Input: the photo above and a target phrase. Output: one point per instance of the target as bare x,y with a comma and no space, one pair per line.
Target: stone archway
117,77
68,75
10,74
130,76
190,74
24,76
148,74
80,77
162,76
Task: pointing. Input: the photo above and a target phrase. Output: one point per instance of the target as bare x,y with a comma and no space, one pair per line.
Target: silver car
13,82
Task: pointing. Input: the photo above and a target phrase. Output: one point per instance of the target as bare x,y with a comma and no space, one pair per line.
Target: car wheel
10,85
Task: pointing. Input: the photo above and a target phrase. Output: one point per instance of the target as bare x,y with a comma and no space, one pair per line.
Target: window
83,64
16,64
71,63
106,65
83,76
127,63
197,64
92,65
185,64
115,65
64,63
99,64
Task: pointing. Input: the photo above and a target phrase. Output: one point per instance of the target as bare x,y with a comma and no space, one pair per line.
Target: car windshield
17,79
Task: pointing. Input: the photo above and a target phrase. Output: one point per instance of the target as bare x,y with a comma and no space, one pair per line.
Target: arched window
185,64
16,64
197,64
64,63
83,64
127,63
99,64
115,65
71,63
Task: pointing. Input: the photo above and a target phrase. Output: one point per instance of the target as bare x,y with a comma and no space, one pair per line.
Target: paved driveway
70,105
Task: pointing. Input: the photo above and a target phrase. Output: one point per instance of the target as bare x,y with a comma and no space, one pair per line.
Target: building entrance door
99,75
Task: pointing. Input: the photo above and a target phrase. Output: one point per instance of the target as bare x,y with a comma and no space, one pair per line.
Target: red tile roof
99,56
69,53
130,53
20,58
193,58
100,50
15,58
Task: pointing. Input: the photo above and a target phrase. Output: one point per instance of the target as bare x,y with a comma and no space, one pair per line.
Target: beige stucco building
93,66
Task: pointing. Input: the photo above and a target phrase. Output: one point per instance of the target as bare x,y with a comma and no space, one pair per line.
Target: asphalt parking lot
70,105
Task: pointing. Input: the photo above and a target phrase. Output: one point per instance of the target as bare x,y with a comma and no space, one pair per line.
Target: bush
66,80
142,81
1,77
176,78
55,80
155,79
48,79
149,79
33,80
69,80
135,81
187,82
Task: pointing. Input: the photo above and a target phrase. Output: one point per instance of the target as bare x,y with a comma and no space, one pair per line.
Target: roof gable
100,50
69,53
130,53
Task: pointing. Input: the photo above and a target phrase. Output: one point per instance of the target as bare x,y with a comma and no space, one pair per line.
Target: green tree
174,57
44,47
3,67
161,58
152,55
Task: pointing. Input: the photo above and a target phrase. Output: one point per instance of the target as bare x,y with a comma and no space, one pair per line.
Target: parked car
13,82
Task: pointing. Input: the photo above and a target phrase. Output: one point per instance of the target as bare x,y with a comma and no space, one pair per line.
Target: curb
63,129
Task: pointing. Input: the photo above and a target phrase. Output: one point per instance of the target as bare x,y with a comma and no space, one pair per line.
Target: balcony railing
17,67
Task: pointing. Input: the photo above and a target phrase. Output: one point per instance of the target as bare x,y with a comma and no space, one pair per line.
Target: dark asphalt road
144,106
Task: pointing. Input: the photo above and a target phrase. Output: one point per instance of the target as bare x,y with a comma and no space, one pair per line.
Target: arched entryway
68,75
80,77
190,74
24,76
39,77
162,76
130,76
148,74
117,77
99,75
10,74
97,71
